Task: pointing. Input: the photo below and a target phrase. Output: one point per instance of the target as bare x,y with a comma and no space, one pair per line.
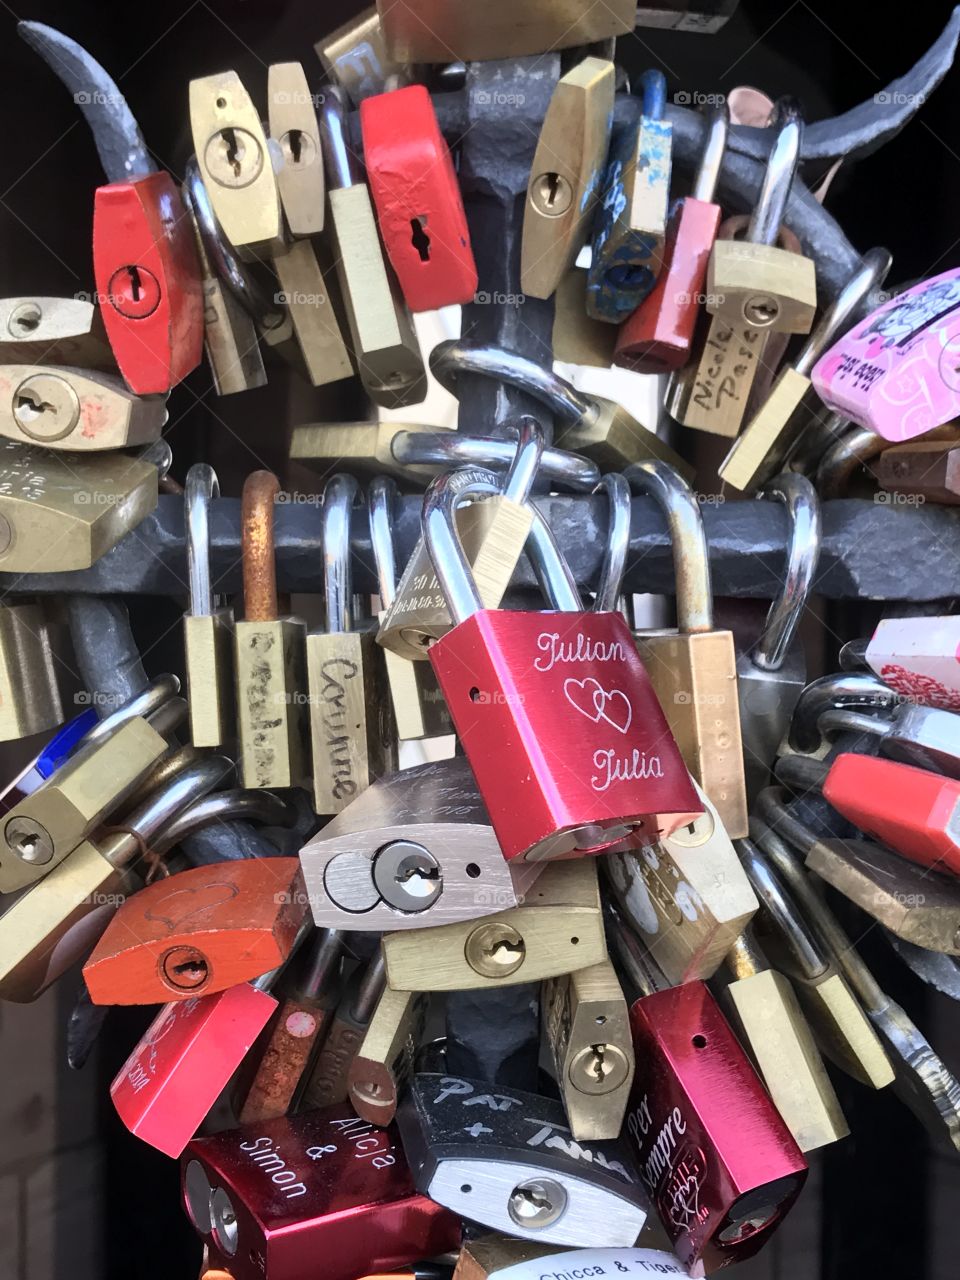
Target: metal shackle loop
200,487
617,546
845,455
844,689
340,494
651,87
454,356
450,563
381,500
782,909
527,454
179,792
225,806
846,308
259,565
691,555
159,455
708,171
451,449
803,555
551,569
846,720
767,215
333,138
158,692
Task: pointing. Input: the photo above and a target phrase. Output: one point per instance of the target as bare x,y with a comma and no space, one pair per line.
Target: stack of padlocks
501,1003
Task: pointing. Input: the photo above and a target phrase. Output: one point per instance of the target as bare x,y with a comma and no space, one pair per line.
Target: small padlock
658,336
76,410
417,196
207,627
385,1060
306,294
326,1080
235,164
565,175
292,120
414,849
269,654
506,1159
586,1033
687,896
363,448
630,223
272,1198
38,330
350,731
355,57
29,690
383,342
918,658
693,669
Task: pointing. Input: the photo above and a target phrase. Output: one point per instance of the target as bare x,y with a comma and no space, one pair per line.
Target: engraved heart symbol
179,905
590,698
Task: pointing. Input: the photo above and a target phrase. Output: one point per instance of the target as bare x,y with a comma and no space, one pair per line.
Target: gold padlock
207,628
29,693
292,119
75,409
306,295
355,57
385,1061
59,331
364,448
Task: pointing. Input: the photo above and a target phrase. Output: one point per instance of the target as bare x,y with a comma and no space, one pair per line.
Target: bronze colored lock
29,693
326,1080
207,628
565,174
385,1061
351,736
75,409
307,297
927,468
59,331
355,57
586,1028
235,164
269,654
364,448
292,120
557,930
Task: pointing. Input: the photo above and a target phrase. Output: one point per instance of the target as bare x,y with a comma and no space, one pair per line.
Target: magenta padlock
898,371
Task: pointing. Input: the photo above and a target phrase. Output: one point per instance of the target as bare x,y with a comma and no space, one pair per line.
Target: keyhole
599,1068
29,407
552,193
295,143
135,283
233,150
503,950
420,239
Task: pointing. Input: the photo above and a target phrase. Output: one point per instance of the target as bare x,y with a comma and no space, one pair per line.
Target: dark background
878,1186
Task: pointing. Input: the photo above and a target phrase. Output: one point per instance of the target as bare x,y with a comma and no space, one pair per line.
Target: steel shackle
803,555
340,495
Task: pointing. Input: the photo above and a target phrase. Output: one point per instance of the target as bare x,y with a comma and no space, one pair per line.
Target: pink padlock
898,371
920,658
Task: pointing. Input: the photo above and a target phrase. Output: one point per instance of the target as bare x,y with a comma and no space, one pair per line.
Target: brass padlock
29,693
364,448
326,1080
208,627
269,654
235,164
306,295
567,165
383,341
75,409
557,930
355,57
292,120
60,331
350,728
586,1029
385,1061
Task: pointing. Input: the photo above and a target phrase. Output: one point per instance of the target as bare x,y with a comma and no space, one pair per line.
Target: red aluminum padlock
417,197
323,1193
148,281
721,1166
557,716
658,336
199,932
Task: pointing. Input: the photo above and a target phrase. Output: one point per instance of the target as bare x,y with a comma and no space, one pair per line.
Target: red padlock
148,281
417,197
557,716
658,336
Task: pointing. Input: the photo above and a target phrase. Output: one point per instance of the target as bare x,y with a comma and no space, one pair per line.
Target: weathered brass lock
385,1061
306,294
29,693
355,57
59,331
75,409
326,1080
362,447
292,119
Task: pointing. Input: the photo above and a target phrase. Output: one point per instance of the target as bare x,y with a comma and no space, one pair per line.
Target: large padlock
516,681
77,410
208,626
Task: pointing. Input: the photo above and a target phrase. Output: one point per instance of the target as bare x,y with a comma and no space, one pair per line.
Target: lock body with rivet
364,448
385,1061
76,410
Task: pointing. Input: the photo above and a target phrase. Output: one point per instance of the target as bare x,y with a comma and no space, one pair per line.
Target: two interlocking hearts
590,698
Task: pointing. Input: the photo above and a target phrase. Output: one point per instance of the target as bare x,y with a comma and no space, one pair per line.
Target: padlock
235,164
415,190
229,334
721,1166
47,760
272,1198
494,533
896,371
917,658
848,690
772,434
207,639
76,410
309,993
350,728
925,469
566,174
47,825
687,896
383,342
924,736
911,810
419,710
414,849
842,1029
269,654
198,932
326,1080
693,669
630,222
56,922
355,57
599,428
773,1029
556,930
292,120
385,1060
501,1257
38,330
306,294
515,681
363,448
29,690
577,338
586,1035
185,1058
433,32
771,674
148,282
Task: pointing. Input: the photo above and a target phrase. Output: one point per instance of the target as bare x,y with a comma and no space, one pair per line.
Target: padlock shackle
617,547
782,910
450,563
854,447
168,717
237,804
145,703
767,215
259,565
651,87
340,495
527,453
451,449
370,989
711,162
200,487
341,171
321,962
846,720
267,981
381,499
158,454
552,571
691,554
843,689
804,772
806,537
745,959
846,308
177,792
635,962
